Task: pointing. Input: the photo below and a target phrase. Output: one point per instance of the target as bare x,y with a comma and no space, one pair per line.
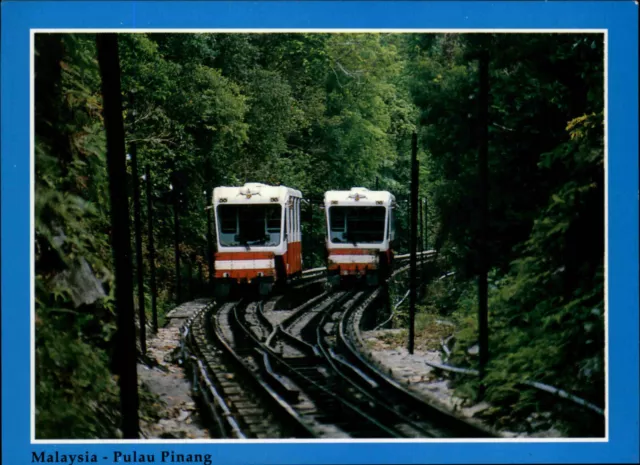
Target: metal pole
483,172
421,204
310,231
422,270
176,235
209,243
107,45
414,241
139,259
426,224
189,278
200,275
151,250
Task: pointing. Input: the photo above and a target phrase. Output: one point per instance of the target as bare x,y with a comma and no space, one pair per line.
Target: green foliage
320,112
76,395
546,299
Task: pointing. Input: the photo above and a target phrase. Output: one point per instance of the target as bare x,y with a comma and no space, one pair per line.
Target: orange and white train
360,234
258,236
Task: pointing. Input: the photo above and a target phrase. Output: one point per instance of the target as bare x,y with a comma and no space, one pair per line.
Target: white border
316,441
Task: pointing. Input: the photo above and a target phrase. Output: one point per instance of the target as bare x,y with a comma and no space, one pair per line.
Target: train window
273,217
293,216
288,225
249,225
228,222
357,224
337,219
297,213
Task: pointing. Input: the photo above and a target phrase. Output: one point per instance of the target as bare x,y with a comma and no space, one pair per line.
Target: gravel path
177,409
411,370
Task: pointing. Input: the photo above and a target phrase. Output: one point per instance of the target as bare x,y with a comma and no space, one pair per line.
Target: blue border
620,18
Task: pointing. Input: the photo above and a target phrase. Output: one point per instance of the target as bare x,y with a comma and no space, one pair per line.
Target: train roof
359,196
253,192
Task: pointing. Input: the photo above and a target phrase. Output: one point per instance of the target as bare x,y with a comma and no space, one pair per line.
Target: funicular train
360,235
258,237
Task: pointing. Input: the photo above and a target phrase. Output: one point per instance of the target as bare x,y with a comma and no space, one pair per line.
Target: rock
183,415
82,282
60,238
168,424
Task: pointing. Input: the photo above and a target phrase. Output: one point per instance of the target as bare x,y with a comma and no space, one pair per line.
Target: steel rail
201,380
376,401
277,402
300,377
349,331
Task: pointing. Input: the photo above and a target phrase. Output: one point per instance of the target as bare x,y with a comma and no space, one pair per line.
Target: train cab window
249,225
337,221
357,224
273,220
228,222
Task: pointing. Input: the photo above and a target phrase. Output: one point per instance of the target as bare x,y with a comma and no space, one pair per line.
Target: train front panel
258,236
360,233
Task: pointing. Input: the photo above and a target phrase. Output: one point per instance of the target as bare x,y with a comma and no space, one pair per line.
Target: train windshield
249,225
357,225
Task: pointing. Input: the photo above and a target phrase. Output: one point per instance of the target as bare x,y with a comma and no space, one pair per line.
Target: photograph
318,235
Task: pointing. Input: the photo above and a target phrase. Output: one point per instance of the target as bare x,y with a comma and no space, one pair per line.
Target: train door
289,236
298,257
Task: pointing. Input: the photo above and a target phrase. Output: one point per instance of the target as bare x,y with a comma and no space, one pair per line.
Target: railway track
240,404
301,373
436,422
298,372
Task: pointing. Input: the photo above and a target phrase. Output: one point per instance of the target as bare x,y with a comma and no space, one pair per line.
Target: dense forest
319,112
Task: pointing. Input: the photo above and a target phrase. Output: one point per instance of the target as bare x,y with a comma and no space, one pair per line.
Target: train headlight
223,200
260,273
274,199
225,275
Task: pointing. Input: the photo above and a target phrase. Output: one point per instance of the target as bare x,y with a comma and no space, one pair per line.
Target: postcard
319,232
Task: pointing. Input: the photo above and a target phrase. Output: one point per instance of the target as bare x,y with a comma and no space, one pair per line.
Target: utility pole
151,249
138,235
426,224
420,209
200,275
189,277
414,240
483,172
107,45
422,271
310,229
